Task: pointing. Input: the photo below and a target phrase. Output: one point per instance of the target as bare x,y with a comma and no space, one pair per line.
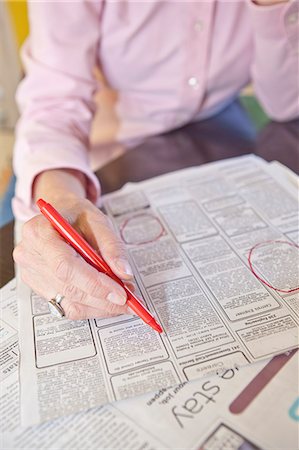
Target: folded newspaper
188,236
252,407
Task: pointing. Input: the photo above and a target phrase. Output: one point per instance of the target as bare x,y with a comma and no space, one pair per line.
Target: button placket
193,81
196,54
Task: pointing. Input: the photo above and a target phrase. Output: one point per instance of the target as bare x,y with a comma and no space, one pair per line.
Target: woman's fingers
99,231
76,303
72,270
77,311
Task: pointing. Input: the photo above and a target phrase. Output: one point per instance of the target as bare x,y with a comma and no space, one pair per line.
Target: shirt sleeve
56,96
275,65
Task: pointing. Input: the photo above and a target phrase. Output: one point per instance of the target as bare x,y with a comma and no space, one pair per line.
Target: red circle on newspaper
141,229
278,260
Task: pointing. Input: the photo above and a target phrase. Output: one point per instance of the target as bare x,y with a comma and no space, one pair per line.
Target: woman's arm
275,65
51,161
56,96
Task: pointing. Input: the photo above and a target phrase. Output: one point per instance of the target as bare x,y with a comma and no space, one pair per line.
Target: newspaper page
104,427
229,410
188,236
9,357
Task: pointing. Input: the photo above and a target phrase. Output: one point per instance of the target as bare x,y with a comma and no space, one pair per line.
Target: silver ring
54,306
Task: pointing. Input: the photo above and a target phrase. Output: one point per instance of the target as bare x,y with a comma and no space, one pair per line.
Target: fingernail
124,266
116,298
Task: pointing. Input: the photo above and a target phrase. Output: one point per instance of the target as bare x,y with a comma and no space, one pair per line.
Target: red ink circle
261,244
128,221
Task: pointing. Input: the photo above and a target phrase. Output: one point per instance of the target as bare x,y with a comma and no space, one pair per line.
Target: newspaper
104,427
252,407
188,236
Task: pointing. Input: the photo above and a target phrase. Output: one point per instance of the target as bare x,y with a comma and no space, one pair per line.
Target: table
230,133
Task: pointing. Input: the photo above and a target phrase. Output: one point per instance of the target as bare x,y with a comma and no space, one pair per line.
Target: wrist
59,186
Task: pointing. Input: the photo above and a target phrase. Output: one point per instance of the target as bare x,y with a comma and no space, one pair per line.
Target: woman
170,63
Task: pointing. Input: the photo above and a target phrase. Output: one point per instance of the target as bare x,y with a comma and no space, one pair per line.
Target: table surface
230,133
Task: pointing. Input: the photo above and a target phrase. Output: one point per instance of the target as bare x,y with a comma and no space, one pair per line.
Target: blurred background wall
13,31
18,15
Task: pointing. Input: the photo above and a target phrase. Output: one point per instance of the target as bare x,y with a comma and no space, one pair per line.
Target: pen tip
156,326
159,329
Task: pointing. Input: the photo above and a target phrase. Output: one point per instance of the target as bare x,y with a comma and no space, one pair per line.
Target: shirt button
198,26
293,18
193,83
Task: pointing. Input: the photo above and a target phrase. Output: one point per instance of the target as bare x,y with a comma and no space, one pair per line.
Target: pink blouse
170,62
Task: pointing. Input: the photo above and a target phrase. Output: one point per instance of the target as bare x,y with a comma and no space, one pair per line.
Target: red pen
89,254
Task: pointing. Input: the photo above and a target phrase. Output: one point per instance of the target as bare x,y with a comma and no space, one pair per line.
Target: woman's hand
50,266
